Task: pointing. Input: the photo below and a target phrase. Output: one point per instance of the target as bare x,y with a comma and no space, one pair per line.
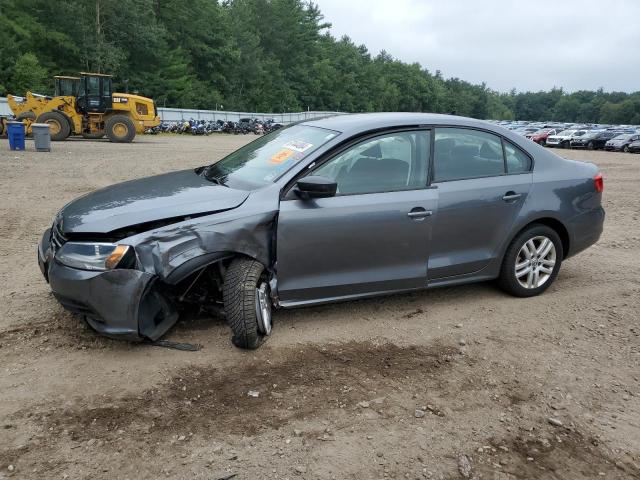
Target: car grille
57,237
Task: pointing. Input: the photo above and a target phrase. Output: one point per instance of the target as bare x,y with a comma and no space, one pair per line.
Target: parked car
593,140
332,209
540,136
524,131
621,142
634,147
563,139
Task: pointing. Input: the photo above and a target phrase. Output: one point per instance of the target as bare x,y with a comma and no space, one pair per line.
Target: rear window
517,160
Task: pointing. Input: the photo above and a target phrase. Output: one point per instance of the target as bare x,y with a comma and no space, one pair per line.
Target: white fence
180,114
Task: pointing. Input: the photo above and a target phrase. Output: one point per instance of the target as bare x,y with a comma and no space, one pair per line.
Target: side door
482,184
372,236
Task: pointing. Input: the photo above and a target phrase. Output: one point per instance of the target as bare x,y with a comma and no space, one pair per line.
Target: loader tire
120,129
26,116
58,125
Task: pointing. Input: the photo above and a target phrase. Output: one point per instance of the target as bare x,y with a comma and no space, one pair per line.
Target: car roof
362,122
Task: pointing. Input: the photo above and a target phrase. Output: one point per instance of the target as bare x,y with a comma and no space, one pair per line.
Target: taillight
599,183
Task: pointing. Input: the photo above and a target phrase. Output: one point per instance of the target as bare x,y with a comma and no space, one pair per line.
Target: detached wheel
531,262
58,125
120,129
247,302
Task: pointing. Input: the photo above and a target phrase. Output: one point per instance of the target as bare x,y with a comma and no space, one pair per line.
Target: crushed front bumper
121,303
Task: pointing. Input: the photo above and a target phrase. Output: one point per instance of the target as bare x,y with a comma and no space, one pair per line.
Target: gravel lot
439,384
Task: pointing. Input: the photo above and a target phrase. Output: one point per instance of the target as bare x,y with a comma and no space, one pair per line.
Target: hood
149,199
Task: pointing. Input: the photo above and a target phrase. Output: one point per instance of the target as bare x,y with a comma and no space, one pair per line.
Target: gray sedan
327,210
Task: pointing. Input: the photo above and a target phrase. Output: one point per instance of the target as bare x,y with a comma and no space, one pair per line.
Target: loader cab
66,86
94,93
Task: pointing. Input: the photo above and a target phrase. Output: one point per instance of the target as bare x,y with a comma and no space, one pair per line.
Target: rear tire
58,125
26,116
242,296
120,129
532,262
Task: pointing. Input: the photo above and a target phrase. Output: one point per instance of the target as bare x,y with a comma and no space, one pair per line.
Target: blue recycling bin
15,132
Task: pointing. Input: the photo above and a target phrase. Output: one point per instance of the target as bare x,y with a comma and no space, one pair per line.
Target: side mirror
315,186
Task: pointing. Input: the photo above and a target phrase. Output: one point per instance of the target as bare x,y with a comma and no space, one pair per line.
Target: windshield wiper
212,178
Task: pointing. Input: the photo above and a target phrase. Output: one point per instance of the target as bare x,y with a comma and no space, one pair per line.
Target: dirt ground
438,384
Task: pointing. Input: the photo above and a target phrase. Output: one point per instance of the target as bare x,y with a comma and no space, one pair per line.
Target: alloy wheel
263,308
535,262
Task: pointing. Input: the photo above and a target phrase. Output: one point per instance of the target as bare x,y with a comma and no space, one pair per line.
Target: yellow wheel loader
86,106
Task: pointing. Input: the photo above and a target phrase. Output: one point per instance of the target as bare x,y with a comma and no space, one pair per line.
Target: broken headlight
95,256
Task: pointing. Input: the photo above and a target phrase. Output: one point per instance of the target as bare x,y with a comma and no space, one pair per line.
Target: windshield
261,162
626,136
566,133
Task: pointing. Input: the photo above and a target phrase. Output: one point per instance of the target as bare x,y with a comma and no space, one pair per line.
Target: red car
540,136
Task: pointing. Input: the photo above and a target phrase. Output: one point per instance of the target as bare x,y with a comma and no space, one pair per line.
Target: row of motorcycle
207,127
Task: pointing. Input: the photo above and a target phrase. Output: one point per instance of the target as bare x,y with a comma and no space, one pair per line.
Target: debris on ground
465,467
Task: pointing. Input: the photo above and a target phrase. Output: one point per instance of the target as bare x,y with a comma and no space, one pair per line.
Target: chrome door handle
419,213
511,196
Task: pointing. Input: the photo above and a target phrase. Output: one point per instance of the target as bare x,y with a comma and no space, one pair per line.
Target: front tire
247,302
626,149
590,146
532,262
120,129
58,125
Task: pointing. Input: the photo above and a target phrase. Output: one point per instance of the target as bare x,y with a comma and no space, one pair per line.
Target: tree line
253,55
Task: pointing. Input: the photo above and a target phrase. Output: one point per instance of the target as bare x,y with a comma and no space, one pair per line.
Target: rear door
482,186
373,236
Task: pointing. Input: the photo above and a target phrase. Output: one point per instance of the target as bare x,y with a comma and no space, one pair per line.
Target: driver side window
391,162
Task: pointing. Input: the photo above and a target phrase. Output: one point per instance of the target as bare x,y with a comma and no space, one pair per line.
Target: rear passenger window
462,153
517,161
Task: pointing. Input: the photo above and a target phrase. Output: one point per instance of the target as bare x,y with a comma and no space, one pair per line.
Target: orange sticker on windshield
281,156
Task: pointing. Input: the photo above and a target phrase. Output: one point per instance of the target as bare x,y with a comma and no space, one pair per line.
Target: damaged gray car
333,209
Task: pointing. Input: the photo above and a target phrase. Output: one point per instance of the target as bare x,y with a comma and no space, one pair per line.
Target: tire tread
239,296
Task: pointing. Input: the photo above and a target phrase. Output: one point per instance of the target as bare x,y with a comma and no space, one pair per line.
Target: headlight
95,256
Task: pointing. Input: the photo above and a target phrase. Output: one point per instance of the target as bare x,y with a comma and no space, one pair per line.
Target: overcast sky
522,44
